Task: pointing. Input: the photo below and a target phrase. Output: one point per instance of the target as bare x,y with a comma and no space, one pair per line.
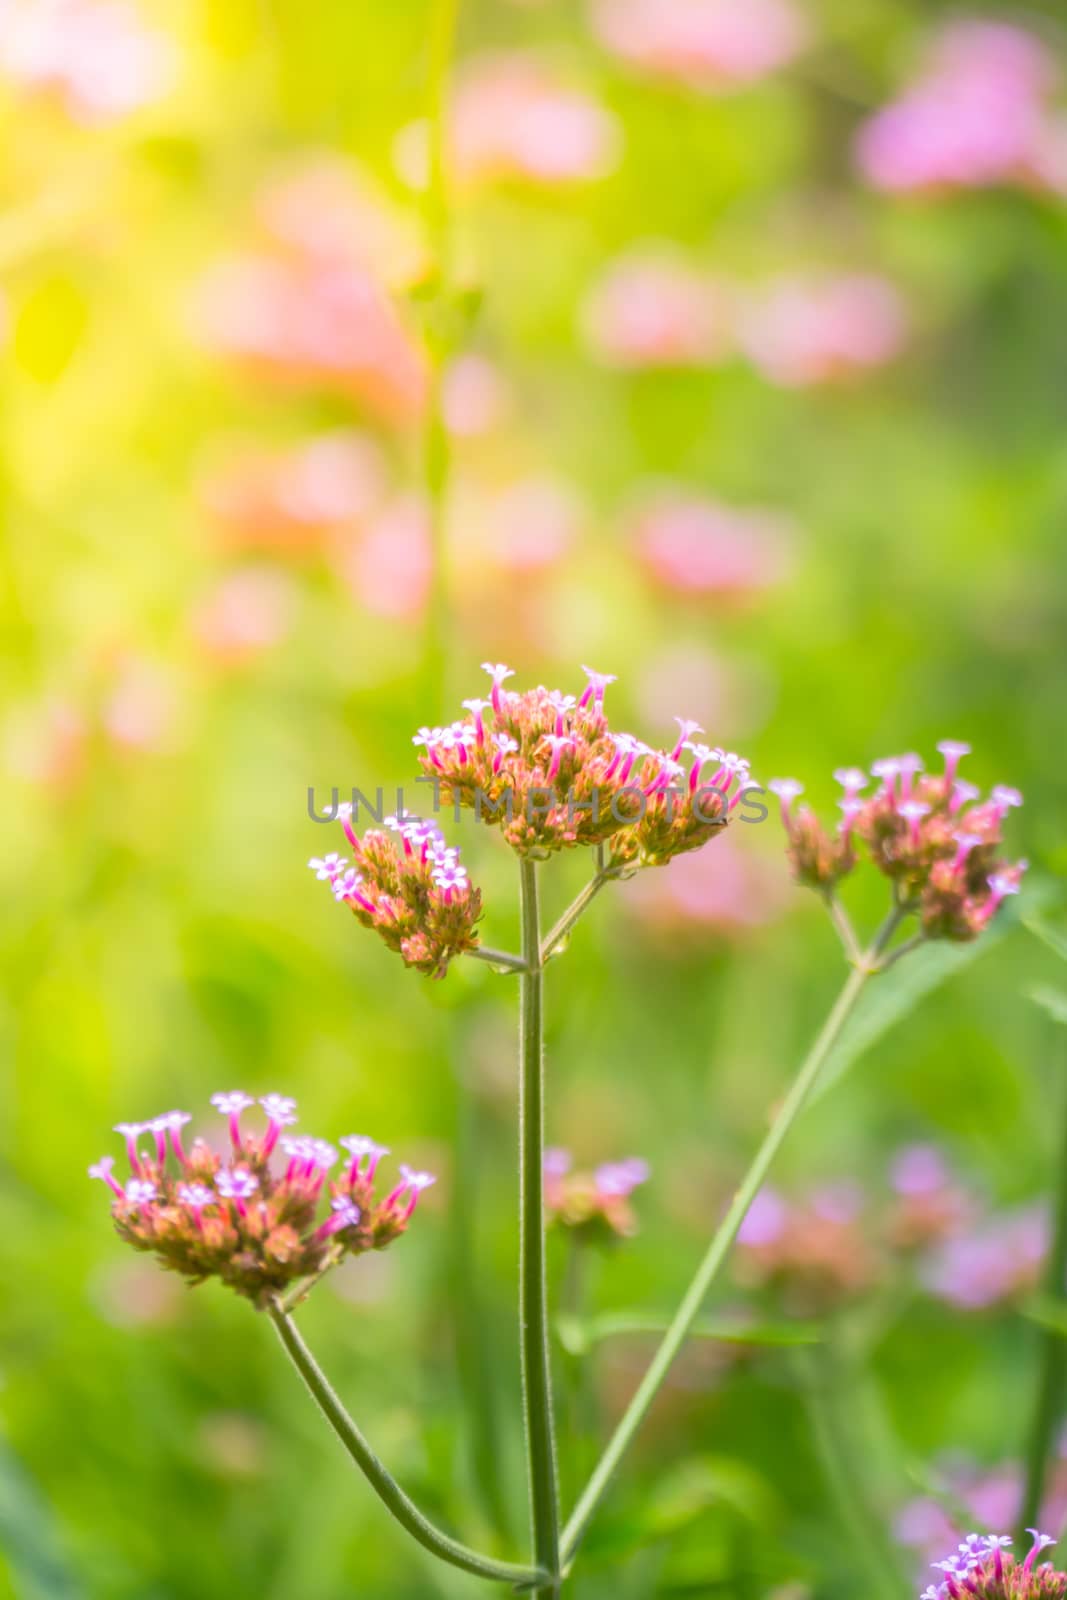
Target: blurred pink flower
387,566
513,118
1047,162
651,309
976,115
527,526
475,396
247,613
141,711
325,209
95,57
722,891
997,1261
310,323
233,1445
800,332
45,742
287,502
992,1498
135,1294
706,44
732,694
702,547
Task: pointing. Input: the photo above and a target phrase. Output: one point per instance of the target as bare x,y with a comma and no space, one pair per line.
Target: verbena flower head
983,1568
260,1218
979,113
995,1261
931,834
409,886
548,769
929,1204
812,1256
597,1203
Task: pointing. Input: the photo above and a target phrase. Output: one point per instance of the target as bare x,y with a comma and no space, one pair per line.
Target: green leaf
1052,937
1054,1001
1047,1313
30,1538
890,996
678,1497
578,1336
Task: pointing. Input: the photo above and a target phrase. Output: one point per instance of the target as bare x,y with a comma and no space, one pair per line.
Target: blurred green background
162,938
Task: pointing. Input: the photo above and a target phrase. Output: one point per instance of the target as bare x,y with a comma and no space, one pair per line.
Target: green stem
551,942
533,1289
725,1234
1048,1401
498,958
436,448
381,1480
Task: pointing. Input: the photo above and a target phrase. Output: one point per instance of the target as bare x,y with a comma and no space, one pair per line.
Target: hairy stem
1051,1385
724,1236
381,1480
533,1290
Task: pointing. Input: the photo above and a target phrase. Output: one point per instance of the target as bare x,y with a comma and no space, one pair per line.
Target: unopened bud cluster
409,886
254,1217
984,1569
596,1204
548,769
931,834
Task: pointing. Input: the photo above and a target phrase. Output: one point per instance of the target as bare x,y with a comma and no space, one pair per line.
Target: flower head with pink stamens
551,773
930,834
407,885
595,1204
252,1218
983,1568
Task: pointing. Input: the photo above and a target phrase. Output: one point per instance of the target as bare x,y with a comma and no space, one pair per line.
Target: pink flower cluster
814,1255
513,118
932,835
595,1203
290,502
984,1569
994,1262
252,1218
801,332
653,309
547,769
411,888
702,44
705,548
311,305
979,114
95,57
834,1244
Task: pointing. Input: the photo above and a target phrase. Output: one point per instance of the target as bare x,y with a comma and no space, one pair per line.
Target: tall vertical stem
436,452
1051,1385
533,1289
717,1251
